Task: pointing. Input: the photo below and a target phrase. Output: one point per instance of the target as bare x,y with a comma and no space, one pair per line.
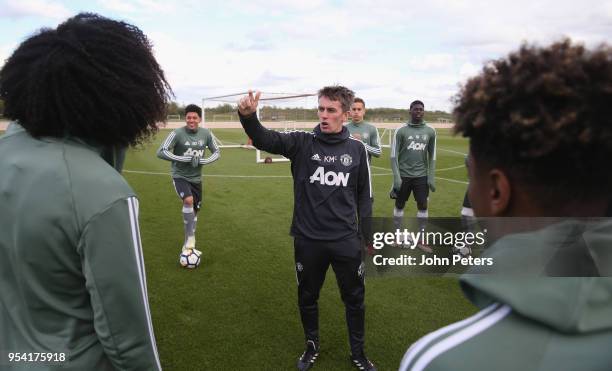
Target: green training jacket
368,134
413,152
182,145
528,322
72,276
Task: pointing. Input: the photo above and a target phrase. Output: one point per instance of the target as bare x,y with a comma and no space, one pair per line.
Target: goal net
276,111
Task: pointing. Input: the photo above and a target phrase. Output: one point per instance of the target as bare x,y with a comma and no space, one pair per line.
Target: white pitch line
453,180
224,175
445,169
451,168
262,176
451,151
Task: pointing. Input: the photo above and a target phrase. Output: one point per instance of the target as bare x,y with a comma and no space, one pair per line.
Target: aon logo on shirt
331,178
417,146
194,152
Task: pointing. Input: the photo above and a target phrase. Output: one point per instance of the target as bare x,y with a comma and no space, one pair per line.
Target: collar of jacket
331,138
114,156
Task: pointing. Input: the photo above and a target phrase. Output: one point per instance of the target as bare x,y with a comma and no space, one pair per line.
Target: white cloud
6,51
34,8
390,52
118,6
140,6
468,70
431,62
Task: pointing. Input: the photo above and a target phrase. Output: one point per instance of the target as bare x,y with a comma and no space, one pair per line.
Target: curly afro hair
91,78
544,115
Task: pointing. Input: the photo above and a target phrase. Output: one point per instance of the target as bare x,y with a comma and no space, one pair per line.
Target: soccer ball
190,258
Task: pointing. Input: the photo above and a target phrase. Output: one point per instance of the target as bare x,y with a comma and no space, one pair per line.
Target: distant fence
271,125
305,124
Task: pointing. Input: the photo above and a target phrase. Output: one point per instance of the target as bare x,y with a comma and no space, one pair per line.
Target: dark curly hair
92,78
544,115
417,102
338,93
193,108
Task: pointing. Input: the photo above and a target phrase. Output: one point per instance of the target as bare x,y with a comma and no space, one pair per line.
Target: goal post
386,137
276,111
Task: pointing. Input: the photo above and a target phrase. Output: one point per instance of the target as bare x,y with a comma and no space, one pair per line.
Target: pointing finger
250,96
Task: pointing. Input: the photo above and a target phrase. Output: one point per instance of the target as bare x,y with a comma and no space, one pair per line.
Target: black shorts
185,188
418,186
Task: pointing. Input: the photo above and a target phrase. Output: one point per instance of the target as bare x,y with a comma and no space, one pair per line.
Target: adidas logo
316,157
187,143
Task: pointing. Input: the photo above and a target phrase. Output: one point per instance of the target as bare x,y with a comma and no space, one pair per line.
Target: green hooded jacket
72,278
533,315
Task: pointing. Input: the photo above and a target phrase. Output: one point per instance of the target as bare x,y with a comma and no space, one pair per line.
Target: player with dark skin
538,121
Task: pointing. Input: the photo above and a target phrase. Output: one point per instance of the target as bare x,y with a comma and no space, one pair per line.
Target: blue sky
389,51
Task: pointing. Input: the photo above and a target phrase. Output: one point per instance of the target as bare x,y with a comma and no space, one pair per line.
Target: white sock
188,219
466,211
398,218
422,216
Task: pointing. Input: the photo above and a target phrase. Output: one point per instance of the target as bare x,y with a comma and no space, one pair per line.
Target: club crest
346,160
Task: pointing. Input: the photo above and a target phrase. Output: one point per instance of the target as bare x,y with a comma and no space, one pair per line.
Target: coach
332,195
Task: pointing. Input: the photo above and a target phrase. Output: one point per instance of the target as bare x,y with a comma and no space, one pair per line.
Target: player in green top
538,121
72,278
363,130
185,148
413,162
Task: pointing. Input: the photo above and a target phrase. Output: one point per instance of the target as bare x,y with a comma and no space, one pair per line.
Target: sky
390,52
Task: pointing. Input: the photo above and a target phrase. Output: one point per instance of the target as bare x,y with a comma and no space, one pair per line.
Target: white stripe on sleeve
168,153
435,143
216,153
368,163
477,324
133,210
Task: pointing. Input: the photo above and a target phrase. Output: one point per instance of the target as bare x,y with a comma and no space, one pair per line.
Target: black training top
331,179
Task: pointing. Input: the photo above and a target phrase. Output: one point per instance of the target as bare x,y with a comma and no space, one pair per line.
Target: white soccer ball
190,258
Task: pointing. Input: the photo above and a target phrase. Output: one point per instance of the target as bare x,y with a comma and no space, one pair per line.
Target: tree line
227,112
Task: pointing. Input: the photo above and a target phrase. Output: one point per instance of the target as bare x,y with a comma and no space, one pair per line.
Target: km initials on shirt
331,178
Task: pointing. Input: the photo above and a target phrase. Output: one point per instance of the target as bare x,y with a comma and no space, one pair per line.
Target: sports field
238,310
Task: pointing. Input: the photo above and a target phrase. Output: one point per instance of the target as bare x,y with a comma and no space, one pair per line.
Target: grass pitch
238,310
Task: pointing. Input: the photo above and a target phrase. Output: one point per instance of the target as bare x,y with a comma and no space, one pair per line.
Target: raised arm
285,144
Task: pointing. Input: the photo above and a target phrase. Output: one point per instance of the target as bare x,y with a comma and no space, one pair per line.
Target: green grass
239,309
